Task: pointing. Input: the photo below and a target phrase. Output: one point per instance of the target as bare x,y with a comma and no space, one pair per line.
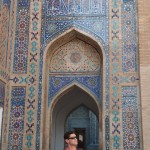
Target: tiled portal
57,56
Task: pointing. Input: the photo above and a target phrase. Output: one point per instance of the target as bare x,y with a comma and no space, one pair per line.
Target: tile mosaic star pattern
21,39
131,136
129,45
16,125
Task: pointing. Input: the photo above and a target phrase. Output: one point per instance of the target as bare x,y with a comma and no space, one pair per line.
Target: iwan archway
74,98
73,75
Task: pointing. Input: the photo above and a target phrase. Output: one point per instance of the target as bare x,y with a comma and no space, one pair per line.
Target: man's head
70,138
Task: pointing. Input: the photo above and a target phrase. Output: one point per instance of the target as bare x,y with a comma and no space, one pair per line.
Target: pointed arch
48,112
71,34
63,105
71,87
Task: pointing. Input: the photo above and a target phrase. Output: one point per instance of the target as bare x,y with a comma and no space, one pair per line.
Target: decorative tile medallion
75,56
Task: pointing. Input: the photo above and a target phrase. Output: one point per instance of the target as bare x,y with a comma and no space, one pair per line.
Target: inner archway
71,100
85,124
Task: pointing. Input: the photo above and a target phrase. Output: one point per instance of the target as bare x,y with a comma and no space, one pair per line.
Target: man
71,140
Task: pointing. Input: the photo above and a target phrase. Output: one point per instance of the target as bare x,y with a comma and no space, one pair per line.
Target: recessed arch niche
73,69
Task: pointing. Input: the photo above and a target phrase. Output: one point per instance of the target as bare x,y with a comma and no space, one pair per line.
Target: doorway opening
80,133
76,100
85,124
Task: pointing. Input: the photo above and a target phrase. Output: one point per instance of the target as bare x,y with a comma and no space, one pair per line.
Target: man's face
72,141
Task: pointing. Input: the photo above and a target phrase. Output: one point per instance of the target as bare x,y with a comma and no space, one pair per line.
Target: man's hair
67,134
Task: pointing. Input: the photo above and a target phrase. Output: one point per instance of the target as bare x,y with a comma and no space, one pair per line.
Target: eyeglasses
72,138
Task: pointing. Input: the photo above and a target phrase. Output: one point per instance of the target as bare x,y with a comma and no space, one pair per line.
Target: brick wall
144,52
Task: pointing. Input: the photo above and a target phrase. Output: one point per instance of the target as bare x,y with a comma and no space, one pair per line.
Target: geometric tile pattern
129,33
106,100
19,79
92,83
87,14
32,78
21,38
115,53
129,79
52,26
131,135
75,56
16,125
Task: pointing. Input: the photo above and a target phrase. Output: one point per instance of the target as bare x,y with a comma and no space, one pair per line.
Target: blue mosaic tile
126,1
90,82
21,39
131,135
129,34
74,7
50,26
23,3
63,14
7,2
16,125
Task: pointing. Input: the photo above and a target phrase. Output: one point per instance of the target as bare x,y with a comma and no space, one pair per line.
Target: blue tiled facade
33,26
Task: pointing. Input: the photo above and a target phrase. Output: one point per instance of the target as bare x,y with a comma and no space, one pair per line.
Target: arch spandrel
70,34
